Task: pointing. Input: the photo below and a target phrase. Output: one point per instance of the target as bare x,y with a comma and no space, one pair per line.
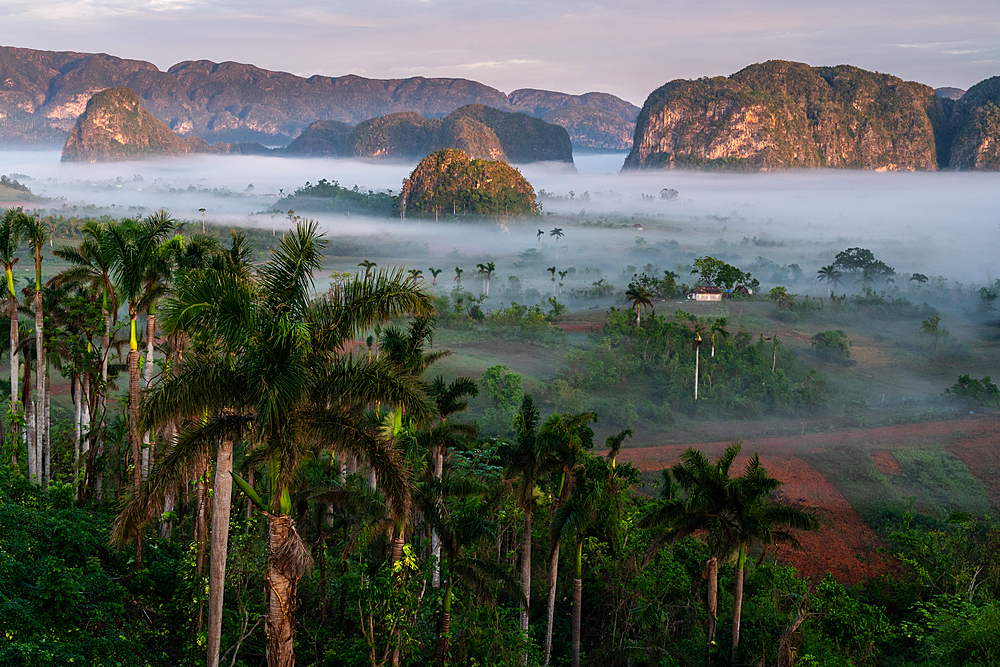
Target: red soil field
845,545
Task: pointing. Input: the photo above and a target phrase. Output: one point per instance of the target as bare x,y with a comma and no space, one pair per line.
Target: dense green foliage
331,197
447,182
743,377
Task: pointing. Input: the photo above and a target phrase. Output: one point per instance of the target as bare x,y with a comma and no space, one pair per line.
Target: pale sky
625,48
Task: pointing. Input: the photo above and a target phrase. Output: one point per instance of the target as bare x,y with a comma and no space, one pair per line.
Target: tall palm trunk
222,495
39,366
577,601
169,496
203,466
47,427
444,635
280,594
435,538
713,598
526,571
133,399
77,390
29,422
84,388
13,368
550,607
148,452
738,598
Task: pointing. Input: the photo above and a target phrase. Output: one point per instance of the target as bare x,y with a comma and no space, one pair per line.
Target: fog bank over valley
943,223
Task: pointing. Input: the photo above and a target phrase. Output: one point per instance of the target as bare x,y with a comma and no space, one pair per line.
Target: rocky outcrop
778,114
324,138
479,131
114,126
447,182
976,122
43,92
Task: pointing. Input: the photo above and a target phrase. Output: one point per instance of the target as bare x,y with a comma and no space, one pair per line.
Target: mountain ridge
43,93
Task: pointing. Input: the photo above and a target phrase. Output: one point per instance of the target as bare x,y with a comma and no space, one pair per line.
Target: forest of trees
238,488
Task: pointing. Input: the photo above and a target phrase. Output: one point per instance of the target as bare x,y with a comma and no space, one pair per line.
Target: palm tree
830,274
369,265
133,247
919,278
458,275
639,295
706,488
481,272
522,462
10,239
552,271
457,512
539,236
557,233
718,327
735,512
562,276
561,441
35,232
596,494
280,375
91,269
415,276
435,272
450,399
755,518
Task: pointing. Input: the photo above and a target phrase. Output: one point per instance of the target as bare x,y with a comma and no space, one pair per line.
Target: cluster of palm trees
735,514
123,261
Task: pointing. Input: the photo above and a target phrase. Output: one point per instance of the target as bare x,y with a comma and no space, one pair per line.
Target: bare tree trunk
46,428
435,538
280,596
14,379
29,423
169,496
444,633
738,598
203,468
75,387
147,376
221,503
550,608
40,384
526,575
577,610
713,598
133,426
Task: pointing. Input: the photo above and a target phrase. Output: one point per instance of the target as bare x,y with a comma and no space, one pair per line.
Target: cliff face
779,114
479,131
114,126
43,92
976,122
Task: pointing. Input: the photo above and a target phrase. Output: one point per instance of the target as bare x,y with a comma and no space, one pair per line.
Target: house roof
706,289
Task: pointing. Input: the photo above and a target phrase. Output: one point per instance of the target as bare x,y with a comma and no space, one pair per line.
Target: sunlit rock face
114,126
976,121
779,115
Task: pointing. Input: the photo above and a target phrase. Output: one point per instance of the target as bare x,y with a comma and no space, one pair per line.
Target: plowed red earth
845,545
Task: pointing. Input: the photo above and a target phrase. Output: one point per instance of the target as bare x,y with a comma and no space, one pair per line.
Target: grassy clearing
933,482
